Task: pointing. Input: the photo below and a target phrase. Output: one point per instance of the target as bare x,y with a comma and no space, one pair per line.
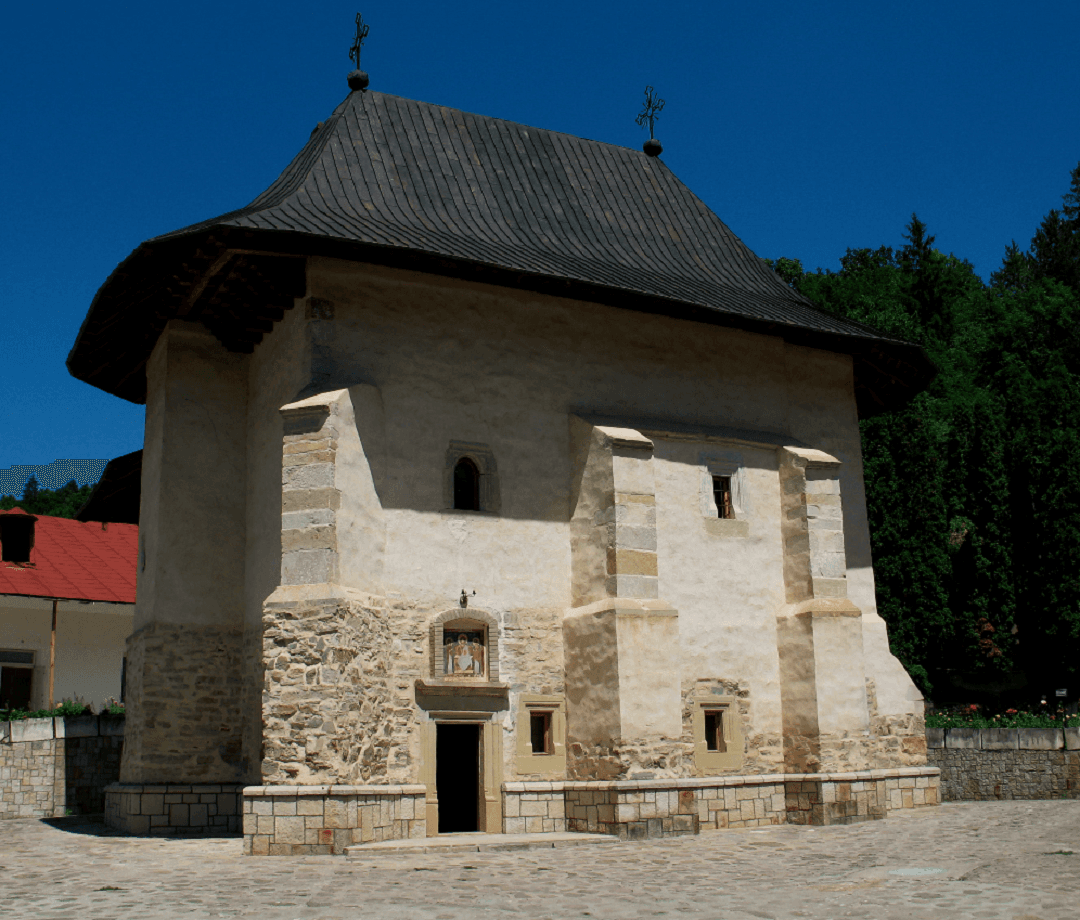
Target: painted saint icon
465,657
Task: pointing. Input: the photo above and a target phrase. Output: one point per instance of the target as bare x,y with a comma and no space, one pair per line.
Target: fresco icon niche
465,650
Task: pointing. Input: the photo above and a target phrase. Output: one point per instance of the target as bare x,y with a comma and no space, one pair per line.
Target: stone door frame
489,817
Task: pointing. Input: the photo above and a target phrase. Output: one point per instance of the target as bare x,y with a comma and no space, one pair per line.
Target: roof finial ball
358,79
649,114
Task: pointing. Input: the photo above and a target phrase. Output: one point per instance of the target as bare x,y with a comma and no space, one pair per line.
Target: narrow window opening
466,485
714,731
721,486
540,732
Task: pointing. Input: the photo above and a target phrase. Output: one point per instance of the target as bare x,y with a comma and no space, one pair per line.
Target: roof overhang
239,282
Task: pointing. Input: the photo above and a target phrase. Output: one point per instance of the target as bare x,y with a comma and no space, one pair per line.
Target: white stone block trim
413,789
746,779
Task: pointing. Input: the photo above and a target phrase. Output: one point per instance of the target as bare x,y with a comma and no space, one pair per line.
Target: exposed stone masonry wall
988,775
174,809
898,740
51,766
90,765
338,704
665,758
981,765
891,742
339,674
321,820
661,808
32,777
185,692
531,660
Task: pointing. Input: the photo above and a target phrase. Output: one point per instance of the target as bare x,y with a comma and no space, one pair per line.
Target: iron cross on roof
358,79
649,114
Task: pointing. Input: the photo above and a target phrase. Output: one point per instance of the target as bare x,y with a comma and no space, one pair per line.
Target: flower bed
974,717
66,708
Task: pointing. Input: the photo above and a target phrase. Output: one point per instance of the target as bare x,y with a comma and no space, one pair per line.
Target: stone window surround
729,464
490,626
527,762
482,456
711,762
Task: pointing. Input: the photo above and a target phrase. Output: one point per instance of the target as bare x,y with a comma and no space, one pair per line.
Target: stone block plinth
174,809
324,820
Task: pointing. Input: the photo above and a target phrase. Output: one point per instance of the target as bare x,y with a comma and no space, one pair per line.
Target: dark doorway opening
457,776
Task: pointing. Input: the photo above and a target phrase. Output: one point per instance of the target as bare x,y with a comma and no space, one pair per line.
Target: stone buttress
621,641
183,763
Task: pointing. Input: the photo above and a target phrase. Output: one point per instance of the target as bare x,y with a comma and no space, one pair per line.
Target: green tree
63,502
973,491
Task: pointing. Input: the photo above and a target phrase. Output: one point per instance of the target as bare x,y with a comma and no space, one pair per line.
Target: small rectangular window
540,732
714,731
722,493
16,685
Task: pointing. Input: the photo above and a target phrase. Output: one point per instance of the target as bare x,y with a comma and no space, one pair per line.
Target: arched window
470,478
466,485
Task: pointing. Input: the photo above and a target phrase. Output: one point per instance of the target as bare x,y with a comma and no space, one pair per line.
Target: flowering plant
971,716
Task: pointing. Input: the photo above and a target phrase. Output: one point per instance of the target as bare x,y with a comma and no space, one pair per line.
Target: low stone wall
174,809
986,764
321,820
50,767
660,808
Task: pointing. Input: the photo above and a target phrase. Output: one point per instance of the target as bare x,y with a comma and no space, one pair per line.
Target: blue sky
807,127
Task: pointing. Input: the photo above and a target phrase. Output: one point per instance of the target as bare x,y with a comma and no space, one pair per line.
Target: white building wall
456,361
90,641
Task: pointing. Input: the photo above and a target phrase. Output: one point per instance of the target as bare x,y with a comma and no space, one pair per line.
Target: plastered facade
312,556
90,641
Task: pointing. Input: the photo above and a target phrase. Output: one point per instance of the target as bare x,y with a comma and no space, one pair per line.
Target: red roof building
67,597
73,560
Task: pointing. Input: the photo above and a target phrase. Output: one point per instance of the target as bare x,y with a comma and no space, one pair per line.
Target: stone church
490,482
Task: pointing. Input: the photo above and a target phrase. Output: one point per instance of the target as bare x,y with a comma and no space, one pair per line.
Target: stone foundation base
171,809
663,808
321,820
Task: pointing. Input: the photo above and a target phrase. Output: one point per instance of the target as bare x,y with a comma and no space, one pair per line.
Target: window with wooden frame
722,496
540,731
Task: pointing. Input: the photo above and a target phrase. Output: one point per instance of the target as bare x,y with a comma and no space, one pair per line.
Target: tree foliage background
63,502
974,488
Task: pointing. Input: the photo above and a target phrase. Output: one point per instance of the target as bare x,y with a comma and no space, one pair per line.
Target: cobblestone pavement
1012,860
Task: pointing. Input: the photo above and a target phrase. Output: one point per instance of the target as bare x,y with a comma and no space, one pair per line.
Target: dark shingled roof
117,495
394,181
